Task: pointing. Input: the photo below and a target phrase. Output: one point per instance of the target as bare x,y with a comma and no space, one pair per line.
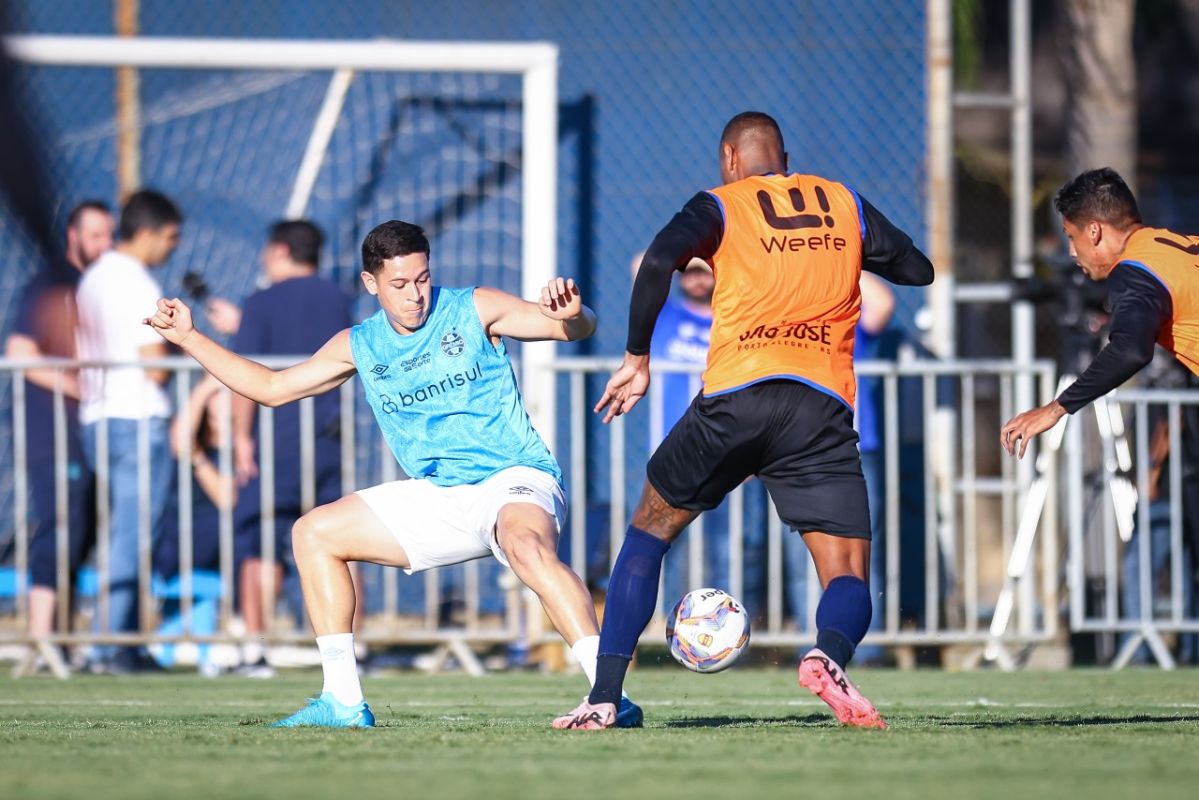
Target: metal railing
364,461
937,415
1133,569
954,508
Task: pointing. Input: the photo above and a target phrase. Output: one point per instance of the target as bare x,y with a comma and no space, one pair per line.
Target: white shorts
442,525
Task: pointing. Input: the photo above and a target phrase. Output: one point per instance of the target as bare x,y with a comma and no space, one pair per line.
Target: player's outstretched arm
559,315
328,368
625,388
1141,308
1020,429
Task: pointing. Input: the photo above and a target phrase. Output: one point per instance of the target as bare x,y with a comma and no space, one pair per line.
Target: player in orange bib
777,401
1153,289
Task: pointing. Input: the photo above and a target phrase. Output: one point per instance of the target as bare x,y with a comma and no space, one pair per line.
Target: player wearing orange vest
787,251
1153,289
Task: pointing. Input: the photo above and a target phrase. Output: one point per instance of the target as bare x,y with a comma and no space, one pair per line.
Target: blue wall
645,88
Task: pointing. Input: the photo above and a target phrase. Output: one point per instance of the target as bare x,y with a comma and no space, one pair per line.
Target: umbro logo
520,490
379,369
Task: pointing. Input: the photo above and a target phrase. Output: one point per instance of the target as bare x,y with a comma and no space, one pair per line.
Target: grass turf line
741,734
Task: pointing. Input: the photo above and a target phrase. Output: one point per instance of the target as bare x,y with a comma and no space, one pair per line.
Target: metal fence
1133,524
963,559
944,541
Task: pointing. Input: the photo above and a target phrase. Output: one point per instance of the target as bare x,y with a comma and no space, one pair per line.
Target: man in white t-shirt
129,403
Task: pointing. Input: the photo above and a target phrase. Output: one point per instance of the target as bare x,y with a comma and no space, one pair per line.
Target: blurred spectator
115,294
294,316
45,327
198,438
225,317
1164,372
878,306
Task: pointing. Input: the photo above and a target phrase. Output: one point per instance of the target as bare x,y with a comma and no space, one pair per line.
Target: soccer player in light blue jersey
480,480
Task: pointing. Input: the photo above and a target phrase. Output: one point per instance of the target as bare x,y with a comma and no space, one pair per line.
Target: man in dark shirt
1153,291
296,315
45,327
787,251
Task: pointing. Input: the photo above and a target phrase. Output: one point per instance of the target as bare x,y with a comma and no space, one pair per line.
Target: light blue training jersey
445,396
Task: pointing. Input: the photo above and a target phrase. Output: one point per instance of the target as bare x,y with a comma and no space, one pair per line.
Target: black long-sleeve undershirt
696,231
1141,306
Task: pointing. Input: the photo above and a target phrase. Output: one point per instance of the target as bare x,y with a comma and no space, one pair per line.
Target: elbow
664,256
582,328
923,274
1138,358
919,270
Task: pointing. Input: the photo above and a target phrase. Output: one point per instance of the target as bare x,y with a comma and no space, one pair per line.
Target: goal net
458,137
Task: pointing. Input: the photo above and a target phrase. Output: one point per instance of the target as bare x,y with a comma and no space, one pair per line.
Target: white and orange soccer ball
707,630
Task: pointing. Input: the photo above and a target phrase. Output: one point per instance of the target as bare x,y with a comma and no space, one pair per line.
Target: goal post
535,62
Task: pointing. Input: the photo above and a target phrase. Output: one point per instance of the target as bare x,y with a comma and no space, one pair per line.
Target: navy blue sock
632,597
842,617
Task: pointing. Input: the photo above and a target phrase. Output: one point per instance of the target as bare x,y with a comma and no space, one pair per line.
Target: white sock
340,667
586,652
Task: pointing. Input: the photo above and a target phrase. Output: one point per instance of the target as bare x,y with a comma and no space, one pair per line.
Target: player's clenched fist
560,299
172,321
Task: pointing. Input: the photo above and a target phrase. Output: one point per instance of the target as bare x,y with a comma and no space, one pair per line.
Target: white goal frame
535,62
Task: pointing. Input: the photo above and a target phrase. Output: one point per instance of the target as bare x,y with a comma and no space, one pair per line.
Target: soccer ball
707,630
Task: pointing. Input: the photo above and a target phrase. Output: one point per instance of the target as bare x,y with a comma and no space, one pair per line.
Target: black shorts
798,440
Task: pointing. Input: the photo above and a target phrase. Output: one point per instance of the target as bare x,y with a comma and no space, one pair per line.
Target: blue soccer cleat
629,715
326,712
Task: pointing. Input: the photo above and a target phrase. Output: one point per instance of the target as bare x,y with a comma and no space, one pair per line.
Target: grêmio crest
452,344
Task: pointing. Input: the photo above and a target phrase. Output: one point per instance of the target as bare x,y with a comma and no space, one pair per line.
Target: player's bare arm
558,315
327,369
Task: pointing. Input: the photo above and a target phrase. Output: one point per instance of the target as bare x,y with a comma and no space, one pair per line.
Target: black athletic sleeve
889,253
1140,305
693,233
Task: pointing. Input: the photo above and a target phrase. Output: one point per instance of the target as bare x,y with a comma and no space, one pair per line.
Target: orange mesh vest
787,297
1174,260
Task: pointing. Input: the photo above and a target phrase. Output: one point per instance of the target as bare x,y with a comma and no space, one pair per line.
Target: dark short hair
389,240
87,205
1100,195
303,239
147,210
751,121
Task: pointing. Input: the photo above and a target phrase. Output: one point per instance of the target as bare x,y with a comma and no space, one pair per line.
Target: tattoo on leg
655,516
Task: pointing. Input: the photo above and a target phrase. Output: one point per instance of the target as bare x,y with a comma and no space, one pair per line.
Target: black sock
632,597
842,617
609,678
835,646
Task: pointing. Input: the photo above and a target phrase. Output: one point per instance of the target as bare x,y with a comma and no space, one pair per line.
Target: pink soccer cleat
820,675
588,717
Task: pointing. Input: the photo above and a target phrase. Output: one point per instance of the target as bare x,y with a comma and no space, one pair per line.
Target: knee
527,550
311,533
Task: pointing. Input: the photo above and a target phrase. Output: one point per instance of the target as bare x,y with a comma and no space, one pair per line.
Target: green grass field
742,735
